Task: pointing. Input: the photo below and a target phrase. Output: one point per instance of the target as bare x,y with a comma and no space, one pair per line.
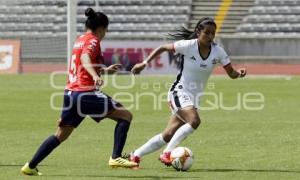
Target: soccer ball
182,158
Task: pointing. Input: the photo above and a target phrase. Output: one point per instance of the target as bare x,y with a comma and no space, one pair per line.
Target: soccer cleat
135,159
121,162
165,158
31,172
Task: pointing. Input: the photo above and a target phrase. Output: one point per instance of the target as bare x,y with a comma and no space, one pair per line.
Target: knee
61,138
195,123
63,133
167,136
128,116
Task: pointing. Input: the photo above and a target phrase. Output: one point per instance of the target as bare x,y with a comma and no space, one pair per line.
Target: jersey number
72,71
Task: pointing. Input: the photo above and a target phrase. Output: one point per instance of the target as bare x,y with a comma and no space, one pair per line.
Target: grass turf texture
236,144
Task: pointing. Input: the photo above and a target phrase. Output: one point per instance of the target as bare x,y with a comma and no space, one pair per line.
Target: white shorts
180,99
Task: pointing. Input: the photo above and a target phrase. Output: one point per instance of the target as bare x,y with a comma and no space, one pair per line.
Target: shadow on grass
11,165
125,176
16,165
245,170
174,175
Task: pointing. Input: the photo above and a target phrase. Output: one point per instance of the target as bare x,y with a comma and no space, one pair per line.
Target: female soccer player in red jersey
81,97
199,55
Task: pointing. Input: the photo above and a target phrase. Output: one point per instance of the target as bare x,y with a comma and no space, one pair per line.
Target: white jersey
196,70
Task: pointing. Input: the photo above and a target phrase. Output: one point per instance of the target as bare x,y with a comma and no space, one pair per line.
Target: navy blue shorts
77,105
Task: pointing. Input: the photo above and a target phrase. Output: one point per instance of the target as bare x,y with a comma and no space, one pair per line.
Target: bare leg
159,140
191,117
62,133
123,118
173,124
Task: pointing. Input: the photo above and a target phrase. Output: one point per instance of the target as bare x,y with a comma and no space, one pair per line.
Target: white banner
9,56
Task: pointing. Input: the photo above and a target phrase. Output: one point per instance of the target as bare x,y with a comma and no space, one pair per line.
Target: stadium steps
272,17
238,10
144,2
139,17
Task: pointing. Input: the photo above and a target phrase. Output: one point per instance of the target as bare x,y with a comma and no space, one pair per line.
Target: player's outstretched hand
138,68
98,82
113,68
242,72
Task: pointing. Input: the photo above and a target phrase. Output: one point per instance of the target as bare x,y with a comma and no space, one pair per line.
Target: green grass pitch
230,144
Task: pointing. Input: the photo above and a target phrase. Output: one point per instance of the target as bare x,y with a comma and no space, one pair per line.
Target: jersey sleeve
91,47
182,46
224,58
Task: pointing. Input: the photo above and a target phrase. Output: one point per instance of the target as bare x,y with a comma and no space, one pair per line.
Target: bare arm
162,48
110,69
158,51
87,64
232,73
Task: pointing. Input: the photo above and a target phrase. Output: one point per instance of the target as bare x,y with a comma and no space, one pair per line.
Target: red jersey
78,77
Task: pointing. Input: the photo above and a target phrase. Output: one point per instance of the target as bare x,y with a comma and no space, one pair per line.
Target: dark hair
95,19
184,33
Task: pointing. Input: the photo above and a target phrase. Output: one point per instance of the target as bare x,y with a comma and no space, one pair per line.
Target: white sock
181,133
155,143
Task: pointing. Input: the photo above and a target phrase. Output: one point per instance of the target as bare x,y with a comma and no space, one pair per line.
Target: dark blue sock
44,150
121,130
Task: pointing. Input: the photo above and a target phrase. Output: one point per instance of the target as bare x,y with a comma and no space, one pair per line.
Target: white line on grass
271,76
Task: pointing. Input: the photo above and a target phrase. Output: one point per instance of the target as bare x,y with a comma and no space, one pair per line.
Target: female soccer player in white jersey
199,55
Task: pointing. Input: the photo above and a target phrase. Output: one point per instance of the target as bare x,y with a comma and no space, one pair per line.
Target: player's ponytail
184,34
95,19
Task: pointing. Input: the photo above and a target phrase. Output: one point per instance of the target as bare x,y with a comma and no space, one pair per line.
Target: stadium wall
40,54
262,49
